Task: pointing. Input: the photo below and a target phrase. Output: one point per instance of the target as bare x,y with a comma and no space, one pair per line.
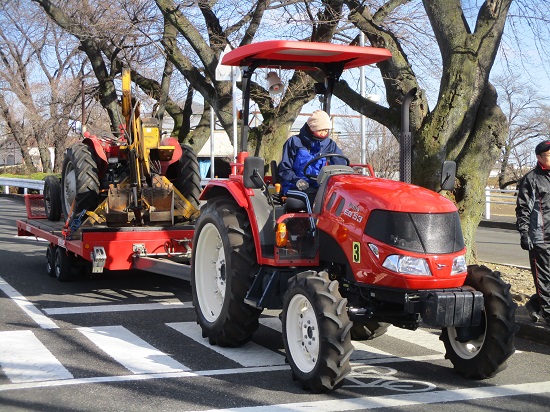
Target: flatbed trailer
160,249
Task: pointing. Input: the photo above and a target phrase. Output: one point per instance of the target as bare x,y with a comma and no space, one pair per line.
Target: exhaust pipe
405,139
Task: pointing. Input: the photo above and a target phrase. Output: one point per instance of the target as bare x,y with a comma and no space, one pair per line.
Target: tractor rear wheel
480,352
79,180
368,330
223,267
316,332
52,198
187,175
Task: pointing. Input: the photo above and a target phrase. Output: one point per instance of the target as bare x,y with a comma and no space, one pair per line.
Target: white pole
362,119
212,128
487,203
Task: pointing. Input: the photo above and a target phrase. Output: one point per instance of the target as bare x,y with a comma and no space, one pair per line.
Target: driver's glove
526,242
302,185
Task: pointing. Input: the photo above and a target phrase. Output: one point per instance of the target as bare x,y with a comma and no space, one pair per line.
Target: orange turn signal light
281,237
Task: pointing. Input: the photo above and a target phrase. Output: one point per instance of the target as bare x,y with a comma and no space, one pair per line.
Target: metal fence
498,197
492,196
26,184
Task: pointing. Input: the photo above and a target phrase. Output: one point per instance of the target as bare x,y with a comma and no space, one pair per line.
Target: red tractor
369,253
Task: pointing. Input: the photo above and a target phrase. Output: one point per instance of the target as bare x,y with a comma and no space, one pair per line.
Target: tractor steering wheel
317,158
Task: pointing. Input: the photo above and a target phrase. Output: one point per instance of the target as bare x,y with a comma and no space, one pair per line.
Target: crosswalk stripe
418,337
130,351
24,358
249,354
27,307
118,308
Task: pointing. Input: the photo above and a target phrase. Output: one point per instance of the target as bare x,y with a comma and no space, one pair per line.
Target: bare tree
527,119
37,70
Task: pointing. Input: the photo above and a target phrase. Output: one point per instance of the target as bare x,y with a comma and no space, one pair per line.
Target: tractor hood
369,193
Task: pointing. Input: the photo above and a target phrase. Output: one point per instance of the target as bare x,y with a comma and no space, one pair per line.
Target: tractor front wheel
316,332
480,352
223,267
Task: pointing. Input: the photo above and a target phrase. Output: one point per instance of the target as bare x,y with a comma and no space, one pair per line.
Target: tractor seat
297,201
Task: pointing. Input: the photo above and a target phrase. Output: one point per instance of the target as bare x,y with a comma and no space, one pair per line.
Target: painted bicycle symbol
370,376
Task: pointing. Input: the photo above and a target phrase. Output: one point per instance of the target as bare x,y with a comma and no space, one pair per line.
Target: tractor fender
229,188
234,188
172,141
93,143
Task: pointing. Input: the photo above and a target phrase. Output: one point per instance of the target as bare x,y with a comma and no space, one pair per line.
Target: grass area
33,176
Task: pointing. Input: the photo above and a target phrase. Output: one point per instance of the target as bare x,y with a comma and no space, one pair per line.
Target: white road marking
418,337
24,358
32,311
140,377
249,354
118,308
394,401
130,351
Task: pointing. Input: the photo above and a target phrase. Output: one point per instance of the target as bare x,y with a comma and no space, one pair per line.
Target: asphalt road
500,246
129,342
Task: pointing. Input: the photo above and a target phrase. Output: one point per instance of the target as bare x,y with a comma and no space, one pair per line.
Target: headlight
459,265
407,265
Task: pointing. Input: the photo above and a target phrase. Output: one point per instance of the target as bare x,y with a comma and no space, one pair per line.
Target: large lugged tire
79,180
63,265
481,352
52,198
187,175
316,332
223,267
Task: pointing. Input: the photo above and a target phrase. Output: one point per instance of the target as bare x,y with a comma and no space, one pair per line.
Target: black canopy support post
246,81
405,139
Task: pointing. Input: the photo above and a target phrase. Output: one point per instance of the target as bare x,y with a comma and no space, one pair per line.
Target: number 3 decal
356,252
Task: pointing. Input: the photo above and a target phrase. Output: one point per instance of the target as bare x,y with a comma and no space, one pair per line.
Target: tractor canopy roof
302,55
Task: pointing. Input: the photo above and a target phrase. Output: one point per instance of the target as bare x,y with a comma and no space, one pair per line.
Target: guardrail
26,184
500,197
492,196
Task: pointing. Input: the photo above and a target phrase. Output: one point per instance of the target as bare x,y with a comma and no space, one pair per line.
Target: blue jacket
300,149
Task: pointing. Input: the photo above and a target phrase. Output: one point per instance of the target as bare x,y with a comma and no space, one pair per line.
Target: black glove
526,242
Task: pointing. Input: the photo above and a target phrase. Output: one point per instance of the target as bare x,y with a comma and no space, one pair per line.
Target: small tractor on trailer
369,253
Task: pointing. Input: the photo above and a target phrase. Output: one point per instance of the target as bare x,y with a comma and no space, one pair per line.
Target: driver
312,141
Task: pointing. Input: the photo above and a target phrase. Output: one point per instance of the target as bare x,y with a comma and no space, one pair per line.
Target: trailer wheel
63,264
50,260
52,198
316,332
186,176
79,180
222,269
368,330
481,352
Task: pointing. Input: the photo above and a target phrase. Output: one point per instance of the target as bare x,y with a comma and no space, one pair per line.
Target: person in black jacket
533,224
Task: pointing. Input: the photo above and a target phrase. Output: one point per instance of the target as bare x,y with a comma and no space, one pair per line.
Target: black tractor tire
482,351
52,198
222,270
368,330
186,175
64,261
79,181
316,332
50,260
